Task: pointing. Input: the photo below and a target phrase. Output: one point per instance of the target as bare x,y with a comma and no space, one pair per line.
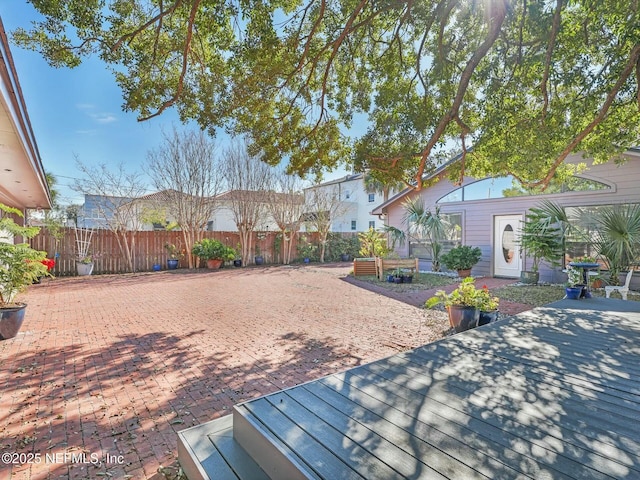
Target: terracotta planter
463,318
11,320
214,263
464,273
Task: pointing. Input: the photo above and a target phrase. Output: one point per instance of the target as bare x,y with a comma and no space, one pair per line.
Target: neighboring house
489,212
357,203
22,180
97,210
222,217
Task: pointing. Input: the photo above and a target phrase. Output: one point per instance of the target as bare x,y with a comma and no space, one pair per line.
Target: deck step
209,451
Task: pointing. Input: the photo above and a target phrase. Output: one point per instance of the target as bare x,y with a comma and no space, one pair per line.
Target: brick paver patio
106,369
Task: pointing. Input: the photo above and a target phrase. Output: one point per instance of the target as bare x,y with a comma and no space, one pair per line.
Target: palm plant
425,227
618,238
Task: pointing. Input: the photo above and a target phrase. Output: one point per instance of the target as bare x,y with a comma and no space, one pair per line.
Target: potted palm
541,238
462,259
214,252
20,266
461,304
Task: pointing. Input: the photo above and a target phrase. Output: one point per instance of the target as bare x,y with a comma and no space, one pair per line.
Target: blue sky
78,112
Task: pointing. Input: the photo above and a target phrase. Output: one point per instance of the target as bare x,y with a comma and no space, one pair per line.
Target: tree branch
547,60
185,55
634,59
494,30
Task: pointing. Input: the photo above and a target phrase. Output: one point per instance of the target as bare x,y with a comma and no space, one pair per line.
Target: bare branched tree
323,206
116,189
286,206
187,172
249,180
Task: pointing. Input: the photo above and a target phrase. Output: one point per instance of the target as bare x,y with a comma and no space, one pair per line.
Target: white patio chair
624,289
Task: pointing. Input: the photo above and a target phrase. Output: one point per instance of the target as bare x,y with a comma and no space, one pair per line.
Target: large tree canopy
523,82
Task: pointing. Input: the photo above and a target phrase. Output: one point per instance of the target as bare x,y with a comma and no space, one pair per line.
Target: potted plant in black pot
462,259
20,266
461,304
488,306
214,252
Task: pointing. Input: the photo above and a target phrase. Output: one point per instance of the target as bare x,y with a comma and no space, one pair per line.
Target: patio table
585,266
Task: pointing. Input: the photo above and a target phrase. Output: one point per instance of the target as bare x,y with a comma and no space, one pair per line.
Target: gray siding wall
478,215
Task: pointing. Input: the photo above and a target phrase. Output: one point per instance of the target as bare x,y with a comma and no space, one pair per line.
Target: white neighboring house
222,218
357,203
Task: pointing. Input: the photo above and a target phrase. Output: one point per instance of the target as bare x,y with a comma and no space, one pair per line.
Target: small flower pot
407,278
156,267
487,317
345,257
84,269
306,260
390,278
573,292
11,320
258,259
399,279
464,273
237,263
172,264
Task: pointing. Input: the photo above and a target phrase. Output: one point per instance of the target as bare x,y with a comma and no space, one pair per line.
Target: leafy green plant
210,249
20,265
307,250
373,243
462,257
174,252
466,295
574,277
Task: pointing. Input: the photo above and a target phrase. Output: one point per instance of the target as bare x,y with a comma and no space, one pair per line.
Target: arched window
502,187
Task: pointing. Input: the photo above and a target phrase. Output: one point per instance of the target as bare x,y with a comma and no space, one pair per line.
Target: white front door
506,252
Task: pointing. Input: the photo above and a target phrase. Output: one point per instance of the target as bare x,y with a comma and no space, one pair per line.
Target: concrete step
209,451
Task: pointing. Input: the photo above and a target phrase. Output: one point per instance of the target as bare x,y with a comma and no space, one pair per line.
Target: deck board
321,460
551,394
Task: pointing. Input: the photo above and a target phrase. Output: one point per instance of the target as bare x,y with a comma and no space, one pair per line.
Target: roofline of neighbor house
346,178
379,210
21,116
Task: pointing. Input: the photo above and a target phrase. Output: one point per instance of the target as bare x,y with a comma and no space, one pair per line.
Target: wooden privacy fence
148,248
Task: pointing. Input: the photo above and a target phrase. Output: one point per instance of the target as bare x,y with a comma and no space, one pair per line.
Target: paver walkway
106,369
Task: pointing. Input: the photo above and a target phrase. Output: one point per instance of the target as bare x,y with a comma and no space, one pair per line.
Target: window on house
353,225
420,241
347,194
502,187
372,224
372,197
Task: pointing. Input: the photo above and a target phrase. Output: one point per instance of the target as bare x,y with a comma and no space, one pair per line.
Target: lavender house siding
478,216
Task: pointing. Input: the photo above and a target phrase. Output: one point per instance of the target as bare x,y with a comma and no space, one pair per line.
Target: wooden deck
548,394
